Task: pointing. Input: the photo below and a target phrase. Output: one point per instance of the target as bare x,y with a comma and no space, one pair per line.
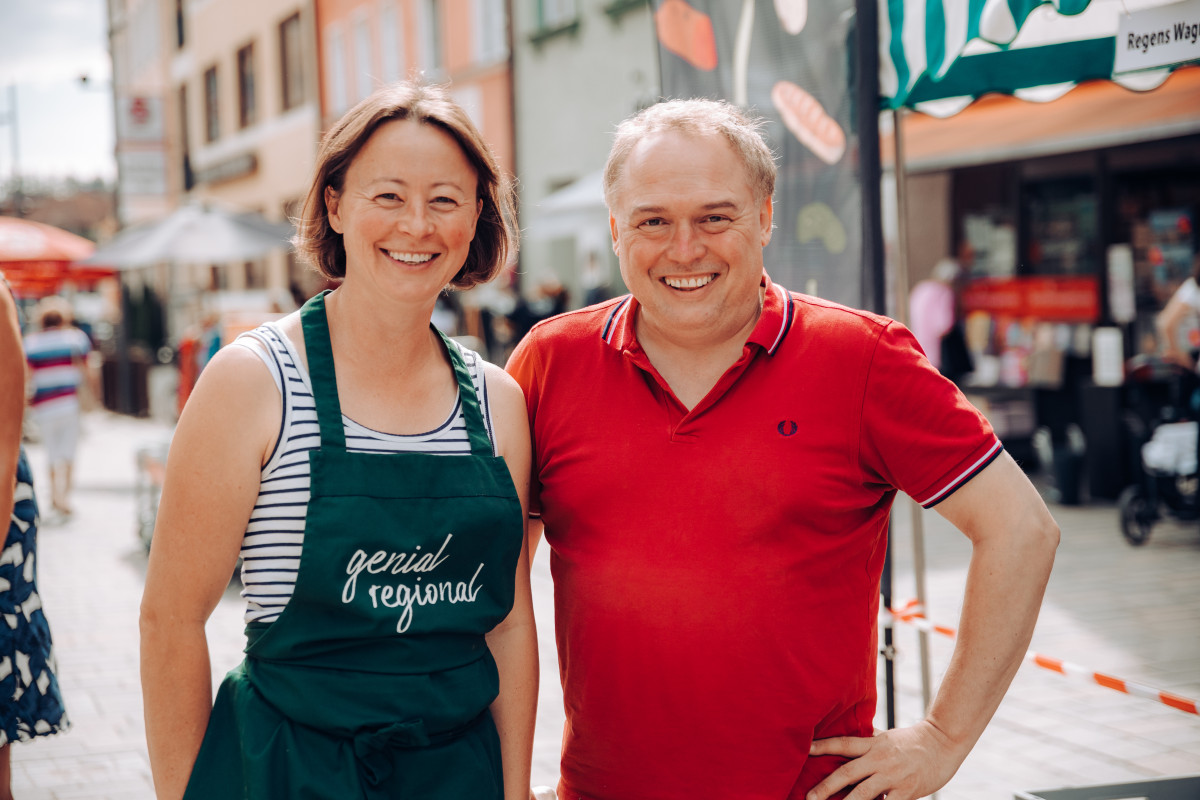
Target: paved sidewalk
1130,612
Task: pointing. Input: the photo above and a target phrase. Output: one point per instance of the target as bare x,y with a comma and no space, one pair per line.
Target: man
714,463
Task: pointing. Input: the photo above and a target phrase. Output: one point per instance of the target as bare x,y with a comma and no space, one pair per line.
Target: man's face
689,234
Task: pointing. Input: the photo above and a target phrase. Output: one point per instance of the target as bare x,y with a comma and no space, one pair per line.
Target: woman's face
407,210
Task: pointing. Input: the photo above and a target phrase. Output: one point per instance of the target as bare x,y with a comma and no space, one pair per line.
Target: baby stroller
1161,422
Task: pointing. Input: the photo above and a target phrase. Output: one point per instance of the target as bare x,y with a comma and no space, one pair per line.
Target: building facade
364,44
580,67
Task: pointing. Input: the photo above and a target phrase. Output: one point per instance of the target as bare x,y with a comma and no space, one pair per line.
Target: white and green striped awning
939,55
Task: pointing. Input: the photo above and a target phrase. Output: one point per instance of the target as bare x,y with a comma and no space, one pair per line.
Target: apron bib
375,680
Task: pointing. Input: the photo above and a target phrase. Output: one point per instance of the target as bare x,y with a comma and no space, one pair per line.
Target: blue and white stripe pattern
275,534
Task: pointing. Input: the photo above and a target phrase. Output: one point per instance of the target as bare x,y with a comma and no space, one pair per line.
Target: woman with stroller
378,514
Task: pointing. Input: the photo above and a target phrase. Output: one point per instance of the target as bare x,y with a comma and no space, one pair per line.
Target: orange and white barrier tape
913,614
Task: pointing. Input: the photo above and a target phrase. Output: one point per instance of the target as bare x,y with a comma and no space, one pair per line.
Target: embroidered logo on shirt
787,427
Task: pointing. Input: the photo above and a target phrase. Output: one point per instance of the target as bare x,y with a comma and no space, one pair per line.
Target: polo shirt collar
778,314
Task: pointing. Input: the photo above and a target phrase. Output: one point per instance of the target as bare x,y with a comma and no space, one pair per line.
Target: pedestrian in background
57,354
1183,306
30,702
715,460
379,516
933,318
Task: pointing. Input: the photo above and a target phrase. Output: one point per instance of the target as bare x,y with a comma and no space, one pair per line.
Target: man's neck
692,365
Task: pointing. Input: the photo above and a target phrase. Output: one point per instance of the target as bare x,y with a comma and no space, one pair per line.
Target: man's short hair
698,117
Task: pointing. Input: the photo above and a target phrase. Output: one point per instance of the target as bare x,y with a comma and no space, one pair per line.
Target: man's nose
685,245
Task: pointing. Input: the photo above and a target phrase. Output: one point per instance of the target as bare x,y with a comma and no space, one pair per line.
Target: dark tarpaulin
795,69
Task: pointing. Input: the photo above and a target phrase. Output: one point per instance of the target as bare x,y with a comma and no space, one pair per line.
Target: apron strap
481,445
321,372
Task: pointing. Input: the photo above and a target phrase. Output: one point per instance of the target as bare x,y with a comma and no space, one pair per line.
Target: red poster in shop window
1074,298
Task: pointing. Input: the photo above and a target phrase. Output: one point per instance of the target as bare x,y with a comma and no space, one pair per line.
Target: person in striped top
56,356
372,475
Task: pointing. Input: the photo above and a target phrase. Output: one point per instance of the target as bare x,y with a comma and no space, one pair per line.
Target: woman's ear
332,201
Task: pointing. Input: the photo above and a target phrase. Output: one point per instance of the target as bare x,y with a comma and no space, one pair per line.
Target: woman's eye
445,201
389,196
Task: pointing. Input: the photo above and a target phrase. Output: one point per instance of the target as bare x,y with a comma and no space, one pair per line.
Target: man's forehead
667,162
679,140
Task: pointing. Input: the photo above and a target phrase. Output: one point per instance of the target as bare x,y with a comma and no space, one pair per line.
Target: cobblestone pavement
1130,612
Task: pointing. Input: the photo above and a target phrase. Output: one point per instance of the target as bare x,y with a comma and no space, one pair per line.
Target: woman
30,703
382,542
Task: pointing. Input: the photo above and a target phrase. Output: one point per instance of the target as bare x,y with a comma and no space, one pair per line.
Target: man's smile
690,283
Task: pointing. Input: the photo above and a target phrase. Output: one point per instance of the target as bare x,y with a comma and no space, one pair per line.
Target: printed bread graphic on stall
809,122
687,33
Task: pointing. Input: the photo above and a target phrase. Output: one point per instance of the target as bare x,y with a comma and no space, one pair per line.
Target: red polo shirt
716,572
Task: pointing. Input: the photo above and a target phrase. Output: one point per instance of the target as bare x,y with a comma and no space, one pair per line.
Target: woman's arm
1167,323
12,399
514,641
212,482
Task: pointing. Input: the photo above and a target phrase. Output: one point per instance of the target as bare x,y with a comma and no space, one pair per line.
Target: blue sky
64,129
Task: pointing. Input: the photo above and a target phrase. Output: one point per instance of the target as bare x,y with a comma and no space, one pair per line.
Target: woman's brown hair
495,237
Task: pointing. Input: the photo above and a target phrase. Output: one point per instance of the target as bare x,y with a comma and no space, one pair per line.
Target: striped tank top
275,534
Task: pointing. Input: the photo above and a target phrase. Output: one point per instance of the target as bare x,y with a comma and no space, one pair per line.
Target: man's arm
1013,540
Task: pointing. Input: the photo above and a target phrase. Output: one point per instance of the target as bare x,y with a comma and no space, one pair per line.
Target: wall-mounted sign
1158,37
143,172
1073,298
139,118
227,169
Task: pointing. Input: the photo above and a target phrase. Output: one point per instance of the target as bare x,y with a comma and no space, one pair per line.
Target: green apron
375,680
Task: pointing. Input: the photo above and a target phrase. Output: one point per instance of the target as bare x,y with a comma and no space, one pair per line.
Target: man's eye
716,219
653,223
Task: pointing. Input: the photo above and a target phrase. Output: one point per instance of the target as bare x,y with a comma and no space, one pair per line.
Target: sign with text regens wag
1158,37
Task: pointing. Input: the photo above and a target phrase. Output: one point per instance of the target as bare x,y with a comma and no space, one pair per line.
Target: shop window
390,39
256,274
247,99
364,70
335,68
554,17
291,55
491,31
185,158
180,26
429,20
1062,236
212,120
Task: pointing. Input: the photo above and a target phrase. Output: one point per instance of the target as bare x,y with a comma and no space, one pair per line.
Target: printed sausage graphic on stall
809,122
687,33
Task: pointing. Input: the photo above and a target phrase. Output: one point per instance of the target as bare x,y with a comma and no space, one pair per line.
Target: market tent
938,55
37,259
199,233
1096,115
576,208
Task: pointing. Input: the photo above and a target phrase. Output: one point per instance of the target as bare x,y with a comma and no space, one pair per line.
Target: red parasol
38,258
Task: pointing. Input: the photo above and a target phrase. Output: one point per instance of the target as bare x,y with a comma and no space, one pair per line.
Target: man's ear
332,203
766,216
612,226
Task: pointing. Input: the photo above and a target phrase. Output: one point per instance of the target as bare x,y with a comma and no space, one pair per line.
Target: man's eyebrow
719,205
